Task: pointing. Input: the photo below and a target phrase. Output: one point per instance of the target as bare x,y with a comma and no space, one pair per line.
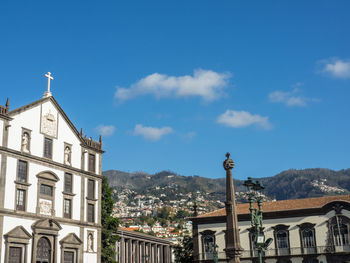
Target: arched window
339,226
282,239
308,238
208,244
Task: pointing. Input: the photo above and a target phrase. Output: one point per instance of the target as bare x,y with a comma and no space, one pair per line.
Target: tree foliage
109,224
184,251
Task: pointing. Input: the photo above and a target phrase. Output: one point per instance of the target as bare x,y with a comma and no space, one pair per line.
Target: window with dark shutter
15,255
20,199
68,183
48,148
68,257
92,163
22,171
91,213
67,209
91,189
46,190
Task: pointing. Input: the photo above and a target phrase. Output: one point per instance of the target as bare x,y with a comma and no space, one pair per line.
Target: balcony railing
295,251
3,110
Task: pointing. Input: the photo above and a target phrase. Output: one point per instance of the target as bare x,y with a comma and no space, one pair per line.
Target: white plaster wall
90,258
10,186
97,163
9,224
77,197
1,131
29,119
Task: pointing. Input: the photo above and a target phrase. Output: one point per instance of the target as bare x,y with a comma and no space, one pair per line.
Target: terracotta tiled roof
284,205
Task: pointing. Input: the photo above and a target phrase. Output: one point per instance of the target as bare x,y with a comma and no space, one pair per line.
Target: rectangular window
22,171
48,148
68,257
15,255
46,190
91,189
68,178
20,199
67,209
91,213
92,162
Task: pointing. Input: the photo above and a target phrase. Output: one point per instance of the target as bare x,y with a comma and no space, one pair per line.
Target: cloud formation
241,119
151,133
336,68
290,98
105,130
206,84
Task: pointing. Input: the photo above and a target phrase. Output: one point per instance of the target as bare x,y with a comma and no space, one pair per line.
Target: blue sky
174,85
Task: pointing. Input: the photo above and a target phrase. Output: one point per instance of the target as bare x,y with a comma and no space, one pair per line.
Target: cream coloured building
50,186
312,230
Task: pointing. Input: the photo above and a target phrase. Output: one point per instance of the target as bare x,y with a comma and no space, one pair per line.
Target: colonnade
135,250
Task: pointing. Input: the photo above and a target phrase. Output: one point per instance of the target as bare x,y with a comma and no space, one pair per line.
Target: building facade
312,230
136,247
50,186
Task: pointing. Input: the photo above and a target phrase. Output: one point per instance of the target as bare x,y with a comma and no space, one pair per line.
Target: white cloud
151,133
290,98
240,119
336,67
189,136
105,130
206,84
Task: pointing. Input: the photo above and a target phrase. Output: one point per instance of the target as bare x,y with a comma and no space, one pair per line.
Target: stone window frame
29,132
27,173
277,229
90,153
46,137
205,234
92,198
343,220
49,229
50,179
303,227
71,243
21,186
25,189
90,202
66,144
72,185
70,198
17,237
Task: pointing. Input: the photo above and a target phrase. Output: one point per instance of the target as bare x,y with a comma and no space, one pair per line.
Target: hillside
288,184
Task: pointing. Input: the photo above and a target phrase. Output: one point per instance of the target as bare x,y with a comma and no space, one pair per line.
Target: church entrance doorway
43,252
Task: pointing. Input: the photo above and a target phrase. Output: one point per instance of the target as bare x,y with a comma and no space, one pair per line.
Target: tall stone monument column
233,245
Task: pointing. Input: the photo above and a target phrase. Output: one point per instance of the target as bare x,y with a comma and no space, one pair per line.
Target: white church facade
50,186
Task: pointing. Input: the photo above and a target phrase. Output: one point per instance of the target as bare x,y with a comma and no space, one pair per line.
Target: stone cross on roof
49,78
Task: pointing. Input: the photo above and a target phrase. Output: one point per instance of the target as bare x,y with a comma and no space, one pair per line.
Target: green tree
109,224
184,251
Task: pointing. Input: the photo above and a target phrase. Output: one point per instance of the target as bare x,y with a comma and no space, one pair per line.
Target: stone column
233,246
130,251
161,259
137,251
121,250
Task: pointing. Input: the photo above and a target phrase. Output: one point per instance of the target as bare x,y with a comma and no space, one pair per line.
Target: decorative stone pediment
48,175
71,239
47,224
18,232
280,227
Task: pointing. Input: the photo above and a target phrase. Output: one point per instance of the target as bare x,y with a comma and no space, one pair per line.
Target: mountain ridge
288,184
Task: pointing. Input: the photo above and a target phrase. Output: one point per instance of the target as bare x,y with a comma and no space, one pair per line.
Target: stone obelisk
233,245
